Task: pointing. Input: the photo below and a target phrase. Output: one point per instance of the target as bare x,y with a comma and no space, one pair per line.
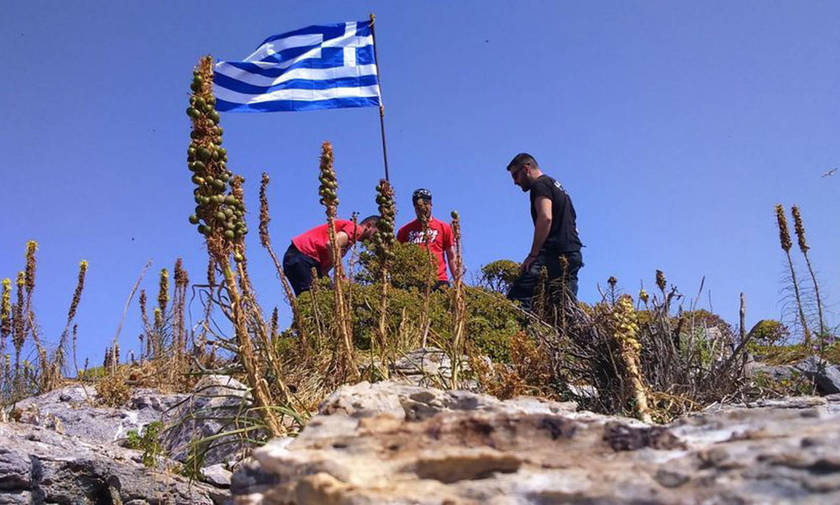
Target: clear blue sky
675,127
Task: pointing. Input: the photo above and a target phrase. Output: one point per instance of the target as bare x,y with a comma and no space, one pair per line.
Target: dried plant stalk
459,313
626,330
784,240
329,199
383,245
220,218
265,241
799,227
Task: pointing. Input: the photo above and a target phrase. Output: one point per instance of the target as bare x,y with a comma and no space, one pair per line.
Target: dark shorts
298,269
525,286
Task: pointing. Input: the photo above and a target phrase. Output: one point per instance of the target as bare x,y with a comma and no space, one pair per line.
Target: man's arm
541,228
343,240
450,259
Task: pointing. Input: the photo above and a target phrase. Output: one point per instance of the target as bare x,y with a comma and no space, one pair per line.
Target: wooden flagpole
381,106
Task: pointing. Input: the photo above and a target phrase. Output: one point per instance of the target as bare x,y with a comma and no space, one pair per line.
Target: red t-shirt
440,239
315,243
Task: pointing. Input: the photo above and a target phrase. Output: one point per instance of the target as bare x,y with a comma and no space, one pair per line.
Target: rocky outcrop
213,408
75,444
825,376
39,465
76,410
398,444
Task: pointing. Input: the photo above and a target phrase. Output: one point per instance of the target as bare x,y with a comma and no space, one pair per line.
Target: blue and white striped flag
317,67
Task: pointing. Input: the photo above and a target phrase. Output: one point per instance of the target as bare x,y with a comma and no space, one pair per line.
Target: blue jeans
524,287
298,269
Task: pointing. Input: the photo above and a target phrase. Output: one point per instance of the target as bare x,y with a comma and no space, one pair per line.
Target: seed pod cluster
799,228
660,280
219,214
6,310
784,234
328,189
383,239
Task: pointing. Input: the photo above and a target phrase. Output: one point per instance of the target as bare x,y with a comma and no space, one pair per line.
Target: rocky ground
397,444
405,443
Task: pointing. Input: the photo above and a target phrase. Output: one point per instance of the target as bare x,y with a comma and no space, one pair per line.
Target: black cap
423,193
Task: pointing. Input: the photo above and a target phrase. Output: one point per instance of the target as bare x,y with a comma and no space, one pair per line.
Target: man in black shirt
555,232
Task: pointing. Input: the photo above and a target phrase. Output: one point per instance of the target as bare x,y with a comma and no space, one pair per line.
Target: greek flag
317,67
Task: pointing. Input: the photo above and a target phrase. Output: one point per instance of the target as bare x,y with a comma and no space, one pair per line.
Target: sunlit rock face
389,443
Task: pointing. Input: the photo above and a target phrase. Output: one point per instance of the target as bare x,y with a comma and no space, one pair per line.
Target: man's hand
526,264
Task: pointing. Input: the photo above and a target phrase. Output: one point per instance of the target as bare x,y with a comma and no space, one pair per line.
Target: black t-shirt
563,235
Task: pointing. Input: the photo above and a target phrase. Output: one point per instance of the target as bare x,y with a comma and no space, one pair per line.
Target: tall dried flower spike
265,217
218,215
328,189
784,235
660,280
799,228
31,247
181,277
383,239
77,293
18,324
626,334
784,239
163,290
6,309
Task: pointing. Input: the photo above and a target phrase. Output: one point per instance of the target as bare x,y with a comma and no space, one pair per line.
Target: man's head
367,227
524,170
422,200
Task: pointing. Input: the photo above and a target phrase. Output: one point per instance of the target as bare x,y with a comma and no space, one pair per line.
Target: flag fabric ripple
317,67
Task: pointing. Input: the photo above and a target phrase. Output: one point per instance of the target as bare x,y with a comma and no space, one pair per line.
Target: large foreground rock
397,444
41,466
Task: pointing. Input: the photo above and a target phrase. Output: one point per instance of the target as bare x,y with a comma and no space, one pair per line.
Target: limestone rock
39,465
825,375
75,410
216,400
398,444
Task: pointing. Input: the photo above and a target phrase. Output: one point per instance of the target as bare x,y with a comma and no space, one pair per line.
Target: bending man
555,231
311,249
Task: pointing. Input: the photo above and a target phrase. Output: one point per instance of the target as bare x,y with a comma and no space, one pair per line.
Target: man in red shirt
439,239
311,249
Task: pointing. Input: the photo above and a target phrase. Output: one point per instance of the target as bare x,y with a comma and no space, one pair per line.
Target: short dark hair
521,159
374,219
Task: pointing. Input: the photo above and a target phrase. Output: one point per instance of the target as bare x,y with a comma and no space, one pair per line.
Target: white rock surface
394,444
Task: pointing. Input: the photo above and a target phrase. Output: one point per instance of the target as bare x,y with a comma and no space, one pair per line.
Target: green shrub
769,332
499,275
490,323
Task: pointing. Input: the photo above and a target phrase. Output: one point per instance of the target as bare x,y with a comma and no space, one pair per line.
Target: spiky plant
31,247
785,242
329,199
5,313
799,227
182,281
18,322
163,290
459,308
626,336
612,282
425,320
59,360
219,216
265,241
383,245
